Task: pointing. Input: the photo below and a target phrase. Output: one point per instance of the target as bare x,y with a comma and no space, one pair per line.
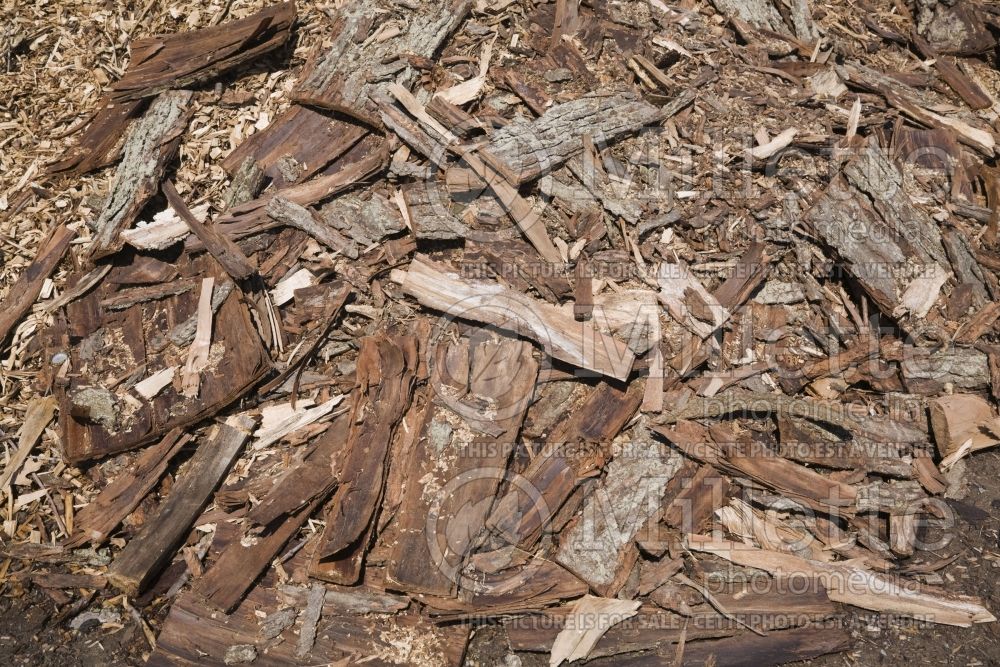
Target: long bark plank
23,293
279,516
189,58
149,551
96,521
532,148
386,371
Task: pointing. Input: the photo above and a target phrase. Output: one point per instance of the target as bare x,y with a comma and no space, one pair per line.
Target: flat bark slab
139,341
363,55
532,148
307,138
386,371
456,471
189,58
151,550
194,634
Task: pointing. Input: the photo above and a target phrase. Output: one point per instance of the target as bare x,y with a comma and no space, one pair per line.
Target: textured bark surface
582,446
98,519
195,634
358,60
386,368
289,213
187,59
151,550
887,243
457,472
151,145
155,333
273,522
313,139
758,13
532,148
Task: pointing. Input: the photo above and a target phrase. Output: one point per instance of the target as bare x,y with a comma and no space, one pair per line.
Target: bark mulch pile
645,333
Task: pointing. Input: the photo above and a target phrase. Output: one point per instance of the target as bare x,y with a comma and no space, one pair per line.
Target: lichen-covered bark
362,55
532,148
151,144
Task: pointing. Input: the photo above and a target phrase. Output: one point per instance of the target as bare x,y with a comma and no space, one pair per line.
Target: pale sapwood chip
197,358
591,618
293,422
853,120
155,383
284,291
953,458
37,417
922,292
778,143
165,229
469,90
848,583
416,109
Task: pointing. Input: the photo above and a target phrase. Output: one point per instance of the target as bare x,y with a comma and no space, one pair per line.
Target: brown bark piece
150,551
95,522
189,58
582,446
194,634
385,376
220,246
455,473
29,284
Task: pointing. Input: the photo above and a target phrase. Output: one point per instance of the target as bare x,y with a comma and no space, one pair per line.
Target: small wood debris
354,332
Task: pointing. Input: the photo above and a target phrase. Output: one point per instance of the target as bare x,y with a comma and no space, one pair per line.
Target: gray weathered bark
151,144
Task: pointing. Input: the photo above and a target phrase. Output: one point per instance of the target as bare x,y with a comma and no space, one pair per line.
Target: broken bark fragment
386,368
582,446
279,516
189,58
152,548
362,54
29,284
220,246
290,213
533,148
95,522
151,144
457,474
